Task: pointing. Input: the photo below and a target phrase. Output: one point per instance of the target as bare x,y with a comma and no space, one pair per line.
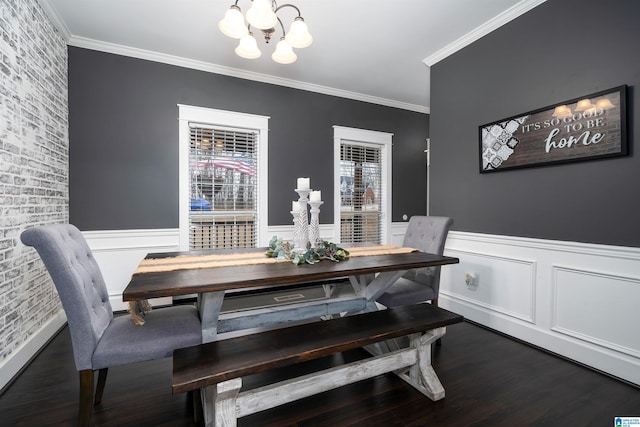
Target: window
362,165
222,179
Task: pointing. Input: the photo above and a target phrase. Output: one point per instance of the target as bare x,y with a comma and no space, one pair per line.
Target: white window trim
188,113
385,140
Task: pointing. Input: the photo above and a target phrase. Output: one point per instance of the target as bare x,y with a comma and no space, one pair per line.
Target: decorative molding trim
581,335
235,72
557,319
532,286
471,302
398,230
188,114
481,31
133,240
118,252
382,141
148,55
593,340
12,366
618,252
55,18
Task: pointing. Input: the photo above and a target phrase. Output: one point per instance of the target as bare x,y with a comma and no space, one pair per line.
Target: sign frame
570,131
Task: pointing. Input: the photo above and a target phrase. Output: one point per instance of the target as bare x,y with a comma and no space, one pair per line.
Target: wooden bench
217,367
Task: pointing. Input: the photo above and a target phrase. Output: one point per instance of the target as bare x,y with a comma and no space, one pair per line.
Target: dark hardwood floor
490,380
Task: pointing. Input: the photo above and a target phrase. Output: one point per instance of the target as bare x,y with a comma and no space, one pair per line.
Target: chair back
79,282
429,234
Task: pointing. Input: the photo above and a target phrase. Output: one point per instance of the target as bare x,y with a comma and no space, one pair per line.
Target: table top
184,282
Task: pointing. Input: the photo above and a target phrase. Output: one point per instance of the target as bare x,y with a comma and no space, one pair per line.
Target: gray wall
124,132
560,50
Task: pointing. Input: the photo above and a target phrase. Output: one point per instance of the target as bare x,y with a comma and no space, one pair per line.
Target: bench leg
219,403
422,374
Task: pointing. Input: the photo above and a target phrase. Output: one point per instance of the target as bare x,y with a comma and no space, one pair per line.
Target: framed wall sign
589,127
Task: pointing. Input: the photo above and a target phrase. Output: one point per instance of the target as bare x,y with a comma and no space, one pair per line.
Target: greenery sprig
324,250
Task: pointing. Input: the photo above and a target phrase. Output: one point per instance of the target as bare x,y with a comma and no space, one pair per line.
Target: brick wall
34,159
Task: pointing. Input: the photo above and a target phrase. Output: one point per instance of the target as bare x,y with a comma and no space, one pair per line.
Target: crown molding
55,18
235,72
93,44
508,15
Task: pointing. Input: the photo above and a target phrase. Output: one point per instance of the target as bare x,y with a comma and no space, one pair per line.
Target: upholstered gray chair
429,234
99,339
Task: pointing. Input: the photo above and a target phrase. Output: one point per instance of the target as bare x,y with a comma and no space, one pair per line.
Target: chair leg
86,397
102,380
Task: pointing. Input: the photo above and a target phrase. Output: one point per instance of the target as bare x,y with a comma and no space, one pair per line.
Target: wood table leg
209,305
381,283
371,286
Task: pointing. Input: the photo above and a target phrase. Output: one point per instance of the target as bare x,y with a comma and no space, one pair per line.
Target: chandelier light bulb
284,54
232,25
248,47
298,35
261,15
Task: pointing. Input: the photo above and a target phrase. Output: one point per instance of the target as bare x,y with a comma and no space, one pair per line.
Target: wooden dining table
352,285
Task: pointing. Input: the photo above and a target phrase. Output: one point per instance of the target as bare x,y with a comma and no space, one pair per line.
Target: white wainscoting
578,300
118,253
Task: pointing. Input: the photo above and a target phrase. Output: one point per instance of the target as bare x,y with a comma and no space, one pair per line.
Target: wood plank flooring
490,380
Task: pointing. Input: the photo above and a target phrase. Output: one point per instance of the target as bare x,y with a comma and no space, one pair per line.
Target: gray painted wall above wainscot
539,59
124,139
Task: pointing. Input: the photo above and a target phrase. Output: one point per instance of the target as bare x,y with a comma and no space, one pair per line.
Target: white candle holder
296,227
302,224
314,226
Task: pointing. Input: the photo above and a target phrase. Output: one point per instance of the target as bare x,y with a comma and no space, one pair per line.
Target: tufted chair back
429,234
79,282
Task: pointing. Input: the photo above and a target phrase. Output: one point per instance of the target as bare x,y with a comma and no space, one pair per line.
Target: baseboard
539,348
22,356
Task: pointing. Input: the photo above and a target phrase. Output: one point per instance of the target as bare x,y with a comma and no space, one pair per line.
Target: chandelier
263,15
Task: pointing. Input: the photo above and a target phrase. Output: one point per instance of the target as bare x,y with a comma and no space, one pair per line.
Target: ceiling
372,50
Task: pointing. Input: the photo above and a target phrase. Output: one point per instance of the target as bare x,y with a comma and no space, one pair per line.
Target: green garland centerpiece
323,250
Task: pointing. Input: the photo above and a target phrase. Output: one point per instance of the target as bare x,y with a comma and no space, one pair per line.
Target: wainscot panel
502,284
118,253
573,299
587,305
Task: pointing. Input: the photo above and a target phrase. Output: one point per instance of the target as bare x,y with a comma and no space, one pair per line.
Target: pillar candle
303,183
315,196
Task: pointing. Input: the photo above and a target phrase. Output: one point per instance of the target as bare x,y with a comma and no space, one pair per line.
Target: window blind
223,187
360,193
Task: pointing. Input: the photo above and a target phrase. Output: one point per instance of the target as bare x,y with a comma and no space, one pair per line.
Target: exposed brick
34,153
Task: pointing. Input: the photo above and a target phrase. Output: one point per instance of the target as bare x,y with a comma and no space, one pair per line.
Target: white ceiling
372,50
